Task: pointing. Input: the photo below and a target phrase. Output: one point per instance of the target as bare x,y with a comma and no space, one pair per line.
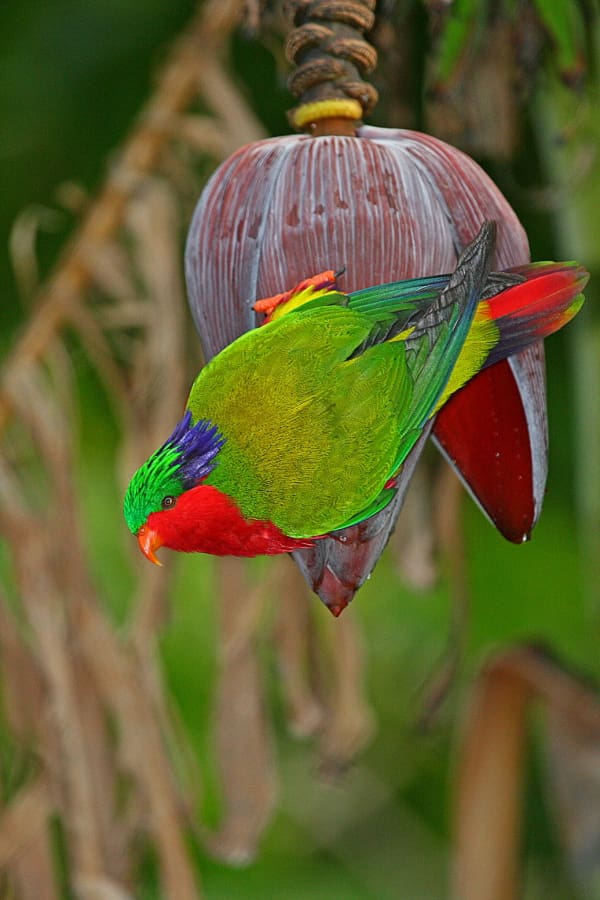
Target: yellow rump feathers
483,336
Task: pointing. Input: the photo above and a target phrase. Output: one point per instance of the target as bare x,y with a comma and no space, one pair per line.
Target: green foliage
561,24
564,24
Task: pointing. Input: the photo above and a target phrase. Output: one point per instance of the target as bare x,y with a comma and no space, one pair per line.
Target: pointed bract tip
336,609
333,591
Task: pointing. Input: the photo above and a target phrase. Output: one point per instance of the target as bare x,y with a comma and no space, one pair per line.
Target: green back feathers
311,435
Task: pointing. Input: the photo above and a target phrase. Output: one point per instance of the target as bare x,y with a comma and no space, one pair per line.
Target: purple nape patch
196,446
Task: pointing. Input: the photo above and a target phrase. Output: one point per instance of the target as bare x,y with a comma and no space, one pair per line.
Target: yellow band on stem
325,109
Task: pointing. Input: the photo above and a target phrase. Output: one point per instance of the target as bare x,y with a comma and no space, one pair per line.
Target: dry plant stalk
88,672
449,535
490,770
295,641
413,542
244,745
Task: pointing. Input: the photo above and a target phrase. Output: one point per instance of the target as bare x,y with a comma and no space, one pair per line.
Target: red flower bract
385,205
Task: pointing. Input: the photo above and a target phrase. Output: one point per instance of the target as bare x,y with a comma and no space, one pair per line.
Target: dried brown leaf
115,834
203,134
243,738
240,125
100,352
22,246
413,542
100,889
295,644
154,224
23,690
53,642
25,848
350,722
573,775
22,819
490,773
488,791
141,749
110,270
33,871
448,497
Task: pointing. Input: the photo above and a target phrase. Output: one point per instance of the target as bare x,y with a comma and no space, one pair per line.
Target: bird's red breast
205,520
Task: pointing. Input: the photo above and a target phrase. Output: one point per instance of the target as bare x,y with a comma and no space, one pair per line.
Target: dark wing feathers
440,332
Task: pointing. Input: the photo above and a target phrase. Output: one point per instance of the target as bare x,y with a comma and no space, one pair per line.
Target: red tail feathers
550,297
547,300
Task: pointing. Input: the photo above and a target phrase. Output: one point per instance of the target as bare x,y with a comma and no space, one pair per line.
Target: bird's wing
434,338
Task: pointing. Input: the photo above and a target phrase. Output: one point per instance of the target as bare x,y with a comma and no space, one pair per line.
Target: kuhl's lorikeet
298,429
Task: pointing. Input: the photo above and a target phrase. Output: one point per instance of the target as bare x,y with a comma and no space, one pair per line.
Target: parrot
299,428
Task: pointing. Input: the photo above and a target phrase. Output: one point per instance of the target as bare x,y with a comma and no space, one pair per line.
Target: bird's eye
168,502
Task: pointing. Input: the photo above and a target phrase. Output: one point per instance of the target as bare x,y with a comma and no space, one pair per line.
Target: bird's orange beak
149,542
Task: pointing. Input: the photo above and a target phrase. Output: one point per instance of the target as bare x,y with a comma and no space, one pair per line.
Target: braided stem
331,56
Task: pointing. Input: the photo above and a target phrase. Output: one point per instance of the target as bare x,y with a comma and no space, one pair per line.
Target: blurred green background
73,74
